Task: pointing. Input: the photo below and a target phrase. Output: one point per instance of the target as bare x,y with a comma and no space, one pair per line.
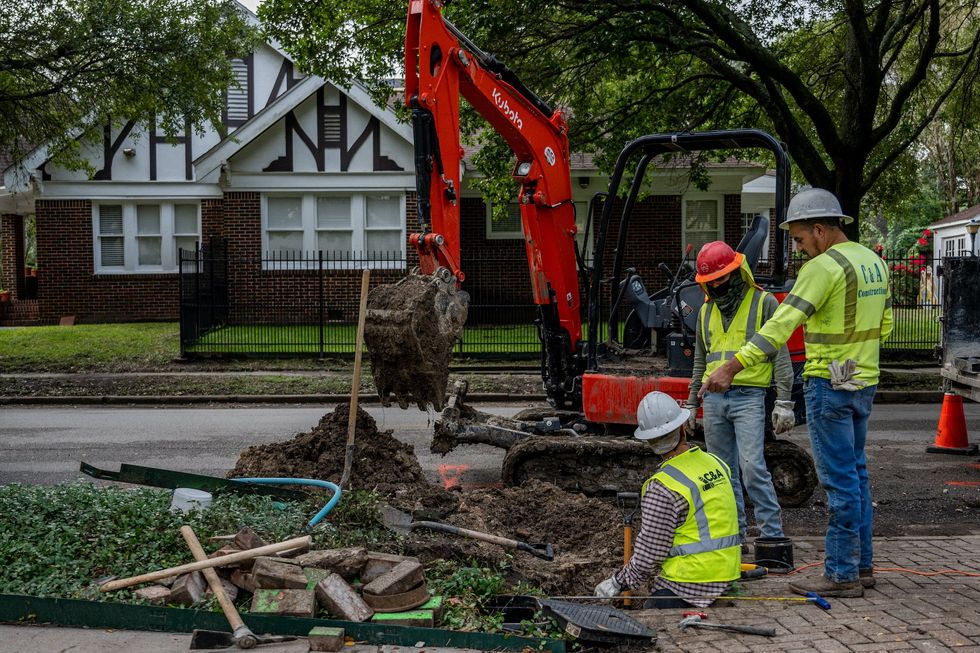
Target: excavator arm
442,65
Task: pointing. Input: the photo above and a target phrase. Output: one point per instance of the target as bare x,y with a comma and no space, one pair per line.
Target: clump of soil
410,331
380,462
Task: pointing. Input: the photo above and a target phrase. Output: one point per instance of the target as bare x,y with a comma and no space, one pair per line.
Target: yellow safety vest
843,297
706,547
722,344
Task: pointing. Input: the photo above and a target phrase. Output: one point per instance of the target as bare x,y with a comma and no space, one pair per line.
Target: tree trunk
849,196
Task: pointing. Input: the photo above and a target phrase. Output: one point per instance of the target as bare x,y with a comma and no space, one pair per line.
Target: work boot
867,578
827,588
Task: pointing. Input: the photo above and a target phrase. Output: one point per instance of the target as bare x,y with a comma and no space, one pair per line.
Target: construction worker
689,529
842,295
735,420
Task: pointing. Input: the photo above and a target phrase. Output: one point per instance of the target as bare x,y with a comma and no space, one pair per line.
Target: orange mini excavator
593,386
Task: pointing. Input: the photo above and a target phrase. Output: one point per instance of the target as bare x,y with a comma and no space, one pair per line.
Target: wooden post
356,383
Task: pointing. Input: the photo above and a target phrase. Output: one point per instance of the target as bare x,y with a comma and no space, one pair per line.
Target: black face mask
728,295
719,291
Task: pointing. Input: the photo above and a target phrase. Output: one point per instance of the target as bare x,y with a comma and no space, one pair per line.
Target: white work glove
783,417
692,420
608,588
842,376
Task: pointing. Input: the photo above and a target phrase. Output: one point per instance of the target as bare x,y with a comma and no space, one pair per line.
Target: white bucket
187,499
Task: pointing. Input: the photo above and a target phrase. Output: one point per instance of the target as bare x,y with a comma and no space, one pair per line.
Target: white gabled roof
17,178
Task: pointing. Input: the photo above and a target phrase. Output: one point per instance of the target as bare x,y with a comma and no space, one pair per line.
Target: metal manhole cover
596,623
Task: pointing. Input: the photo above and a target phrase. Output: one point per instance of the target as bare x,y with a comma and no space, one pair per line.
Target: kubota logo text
504,107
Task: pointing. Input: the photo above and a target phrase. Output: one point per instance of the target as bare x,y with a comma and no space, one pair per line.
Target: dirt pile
380,462
410,331
586,533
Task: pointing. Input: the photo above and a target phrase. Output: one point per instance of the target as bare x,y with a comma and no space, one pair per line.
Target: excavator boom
442,65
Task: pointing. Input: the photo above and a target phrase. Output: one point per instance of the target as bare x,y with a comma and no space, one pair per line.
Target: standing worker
735,420
689,529
843,297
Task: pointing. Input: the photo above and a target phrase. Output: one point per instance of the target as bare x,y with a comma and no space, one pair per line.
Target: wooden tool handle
295,543
356,381
231,612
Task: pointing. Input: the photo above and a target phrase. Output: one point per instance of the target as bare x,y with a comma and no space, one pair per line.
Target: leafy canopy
69,64
848,86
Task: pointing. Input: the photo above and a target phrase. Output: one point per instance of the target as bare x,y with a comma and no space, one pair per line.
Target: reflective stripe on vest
734,337
706,543
849,333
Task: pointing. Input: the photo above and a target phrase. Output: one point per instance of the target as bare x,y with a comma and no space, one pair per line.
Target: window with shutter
111,240
237,103
142,238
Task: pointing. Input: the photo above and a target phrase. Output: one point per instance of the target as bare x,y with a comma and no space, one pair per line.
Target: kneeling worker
689,532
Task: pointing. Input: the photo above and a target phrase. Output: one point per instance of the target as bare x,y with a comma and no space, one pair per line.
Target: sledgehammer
695,620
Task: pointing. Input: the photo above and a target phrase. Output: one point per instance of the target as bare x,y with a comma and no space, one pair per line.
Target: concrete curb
485,397
882,397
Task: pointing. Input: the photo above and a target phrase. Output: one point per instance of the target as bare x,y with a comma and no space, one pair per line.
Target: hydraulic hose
333,487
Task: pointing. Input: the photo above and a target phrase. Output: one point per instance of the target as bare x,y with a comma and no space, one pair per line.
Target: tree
69,65
848,86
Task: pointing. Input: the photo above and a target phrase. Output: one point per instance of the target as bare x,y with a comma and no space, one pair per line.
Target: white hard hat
657,417
814,203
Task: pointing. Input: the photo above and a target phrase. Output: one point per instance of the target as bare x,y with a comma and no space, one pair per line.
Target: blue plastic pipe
333,487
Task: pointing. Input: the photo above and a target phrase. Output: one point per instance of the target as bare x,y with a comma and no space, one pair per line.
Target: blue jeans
838,424
734,430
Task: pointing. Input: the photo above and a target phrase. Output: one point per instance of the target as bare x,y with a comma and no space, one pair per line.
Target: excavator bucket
410,331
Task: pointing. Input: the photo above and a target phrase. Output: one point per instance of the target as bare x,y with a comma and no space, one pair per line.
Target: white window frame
719,200
358,204
168,253
581,215
502,235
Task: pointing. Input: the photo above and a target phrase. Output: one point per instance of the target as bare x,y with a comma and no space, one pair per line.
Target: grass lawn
155,346
88,347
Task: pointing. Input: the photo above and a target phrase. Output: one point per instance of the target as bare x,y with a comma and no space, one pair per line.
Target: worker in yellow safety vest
689,524
735,420
842,296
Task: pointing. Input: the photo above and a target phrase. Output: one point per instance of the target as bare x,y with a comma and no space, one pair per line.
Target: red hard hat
716,259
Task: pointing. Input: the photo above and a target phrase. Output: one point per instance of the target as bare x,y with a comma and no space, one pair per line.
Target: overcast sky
251,4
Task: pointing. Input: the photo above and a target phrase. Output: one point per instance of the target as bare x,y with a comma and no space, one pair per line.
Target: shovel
401,522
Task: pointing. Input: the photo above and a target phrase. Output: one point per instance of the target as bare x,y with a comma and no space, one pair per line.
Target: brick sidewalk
903,612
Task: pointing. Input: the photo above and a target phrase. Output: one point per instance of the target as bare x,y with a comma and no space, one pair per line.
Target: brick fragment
231,590
271,573
380,563
401,578
246,539
243,579
340,600
326,639
348,562
155,594
188,589
287,603
228,550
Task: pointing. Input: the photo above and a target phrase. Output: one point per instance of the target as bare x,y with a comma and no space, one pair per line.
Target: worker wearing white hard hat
689,530
843,296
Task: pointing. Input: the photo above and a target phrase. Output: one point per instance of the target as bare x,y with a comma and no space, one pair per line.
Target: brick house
304,166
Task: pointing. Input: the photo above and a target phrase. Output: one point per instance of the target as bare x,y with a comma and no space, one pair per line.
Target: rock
348,563
155,594
188,589
271,573
380,563
401,578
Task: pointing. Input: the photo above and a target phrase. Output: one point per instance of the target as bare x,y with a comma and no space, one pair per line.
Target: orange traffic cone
951,435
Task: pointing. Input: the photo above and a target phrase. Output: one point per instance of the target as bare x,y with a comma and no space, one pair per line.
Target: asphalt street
916,493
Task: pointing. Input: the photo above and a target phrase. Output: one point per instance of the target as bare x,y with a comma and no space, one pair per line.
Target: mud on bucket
775,554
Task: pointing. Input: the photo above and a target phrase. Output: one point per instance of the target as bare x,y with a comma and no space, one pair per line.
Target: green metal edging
125,616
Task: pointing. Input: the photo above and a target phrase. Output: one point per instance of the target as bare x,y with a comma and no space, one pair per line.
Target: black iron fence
306,305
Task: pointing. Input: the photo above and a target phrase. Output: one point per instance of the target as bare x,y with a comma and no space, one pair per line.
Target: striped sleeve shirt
662,512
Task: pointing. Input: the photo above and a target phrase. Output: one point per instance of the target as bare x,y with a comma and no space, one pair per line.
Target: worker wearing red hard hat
843,296
734,420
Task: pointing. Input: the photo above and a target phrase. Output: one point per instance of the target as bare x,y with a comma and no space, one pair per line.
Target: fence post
322,307
180,297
